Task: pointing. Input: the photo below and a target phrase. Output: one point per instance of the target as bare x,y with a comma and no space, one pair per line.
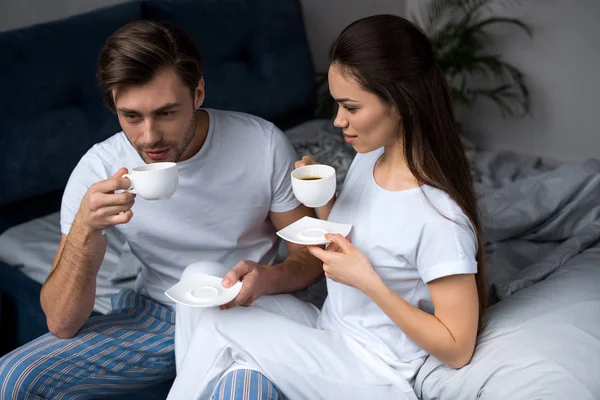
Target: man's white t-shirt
408,243
220,211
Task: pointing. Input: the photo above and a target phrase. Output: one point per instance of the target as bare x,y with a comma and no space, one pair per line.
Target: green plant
459,33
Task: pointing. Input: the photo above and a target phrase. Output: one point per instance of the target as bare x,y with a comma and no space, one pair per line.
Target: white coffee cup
154,181
317,191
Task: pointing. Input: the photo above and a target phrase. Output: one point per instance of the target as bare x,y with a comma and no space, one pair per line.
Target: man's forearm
300,270
68,294
323,212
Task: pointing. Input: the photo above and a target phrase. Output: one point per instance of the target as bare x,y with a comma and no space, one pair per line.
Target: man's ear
199,94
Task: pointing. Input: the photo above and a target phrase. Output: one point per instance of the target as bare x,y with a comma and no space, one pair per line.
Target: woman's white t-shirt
408,243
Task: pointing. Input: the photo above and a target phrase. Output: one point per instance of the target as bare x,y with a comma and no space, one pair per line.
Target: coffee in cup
314,185
154,181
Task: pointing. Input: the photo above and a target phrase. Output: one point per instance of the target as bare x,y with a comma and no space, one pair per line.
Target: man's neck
200,135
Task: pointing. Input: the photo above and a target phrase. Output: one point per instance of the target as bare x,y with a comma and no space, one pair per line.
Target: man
234,193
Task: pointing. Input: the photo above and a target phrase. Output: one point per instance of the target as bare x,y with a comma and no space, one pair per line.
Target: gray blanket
535,217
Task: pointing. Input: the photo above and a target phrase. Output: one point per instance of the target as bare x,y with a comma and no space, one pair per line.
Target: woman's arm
450,333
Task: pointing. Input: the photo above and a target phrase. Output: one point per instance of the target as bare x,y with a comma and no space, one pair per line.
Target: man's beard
187,139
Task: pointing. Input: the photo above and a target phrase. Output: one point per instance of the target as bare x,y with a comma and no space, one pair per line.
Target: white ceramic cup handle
132,188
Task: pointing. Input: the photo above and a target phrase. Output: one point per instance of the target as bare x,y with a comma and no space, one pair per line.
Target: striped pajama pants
126,350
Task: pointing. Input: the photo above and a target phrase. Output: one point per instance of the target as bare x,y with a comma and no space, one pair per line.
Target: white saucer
311,231
202,291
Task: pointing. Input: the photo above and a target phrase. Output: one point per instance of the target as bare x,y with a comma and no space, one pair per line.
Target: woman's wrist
373,286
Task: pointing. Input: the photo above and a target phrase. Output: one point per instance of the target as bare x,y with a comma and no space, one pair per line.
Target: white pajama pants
278,337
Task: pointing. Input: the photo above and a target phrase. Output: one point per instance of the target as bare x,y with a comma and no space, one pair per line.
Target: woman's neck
391,170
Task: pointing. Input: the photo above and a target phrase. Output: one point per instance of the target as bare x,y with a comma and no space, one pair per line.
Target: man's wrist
82,232
271,277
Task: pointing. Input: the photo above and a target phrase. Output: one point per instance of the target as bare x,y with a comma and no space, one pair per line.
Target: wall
325,19
562,64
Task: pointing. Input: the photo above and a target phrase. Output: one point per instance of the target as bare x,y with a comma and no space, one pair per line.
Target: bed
541,339
541,221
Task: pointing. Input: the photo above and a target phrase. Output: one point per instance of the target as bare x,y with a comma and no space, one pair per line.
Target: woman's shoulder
440,208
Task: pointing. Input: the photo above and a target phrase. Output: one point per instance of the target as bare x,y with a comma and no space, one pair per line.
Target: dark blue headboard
257,60
256,54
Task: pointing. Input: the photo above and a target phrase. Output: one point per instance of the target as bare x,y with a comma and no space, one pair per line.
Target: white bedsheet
31,247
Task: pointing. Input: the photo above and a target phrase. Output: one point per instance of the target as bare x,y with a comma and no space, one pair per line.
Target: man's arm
68,294
300,269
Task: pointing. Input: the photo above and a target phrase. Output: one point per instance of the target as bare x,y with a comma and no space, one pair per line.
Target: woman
410,282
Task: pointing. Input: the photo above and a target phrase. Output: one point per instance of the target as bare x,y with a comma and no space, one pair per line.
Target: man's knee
16,375
245,384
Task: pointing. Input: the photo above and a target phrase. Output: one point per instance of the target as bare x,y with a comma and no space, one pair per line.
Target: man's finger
120,218
120,172
120,182
115,210
100,201
116,182
241,269
242,297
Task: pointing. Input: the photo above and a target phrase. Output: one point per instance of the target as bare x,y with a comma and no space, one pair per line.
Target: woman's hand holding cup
306,160
313,184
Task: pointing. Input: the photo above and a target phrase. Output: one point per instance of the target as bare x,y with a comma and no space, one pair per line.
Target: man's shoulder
109,150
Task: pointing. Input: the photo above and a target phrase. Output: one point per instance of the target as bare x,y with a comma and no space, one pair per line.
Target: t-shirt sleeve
87,172
446,248
284,156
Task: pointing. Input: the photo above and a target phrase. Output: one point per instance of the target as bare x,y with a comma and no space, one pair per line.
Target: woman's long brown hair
392,58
